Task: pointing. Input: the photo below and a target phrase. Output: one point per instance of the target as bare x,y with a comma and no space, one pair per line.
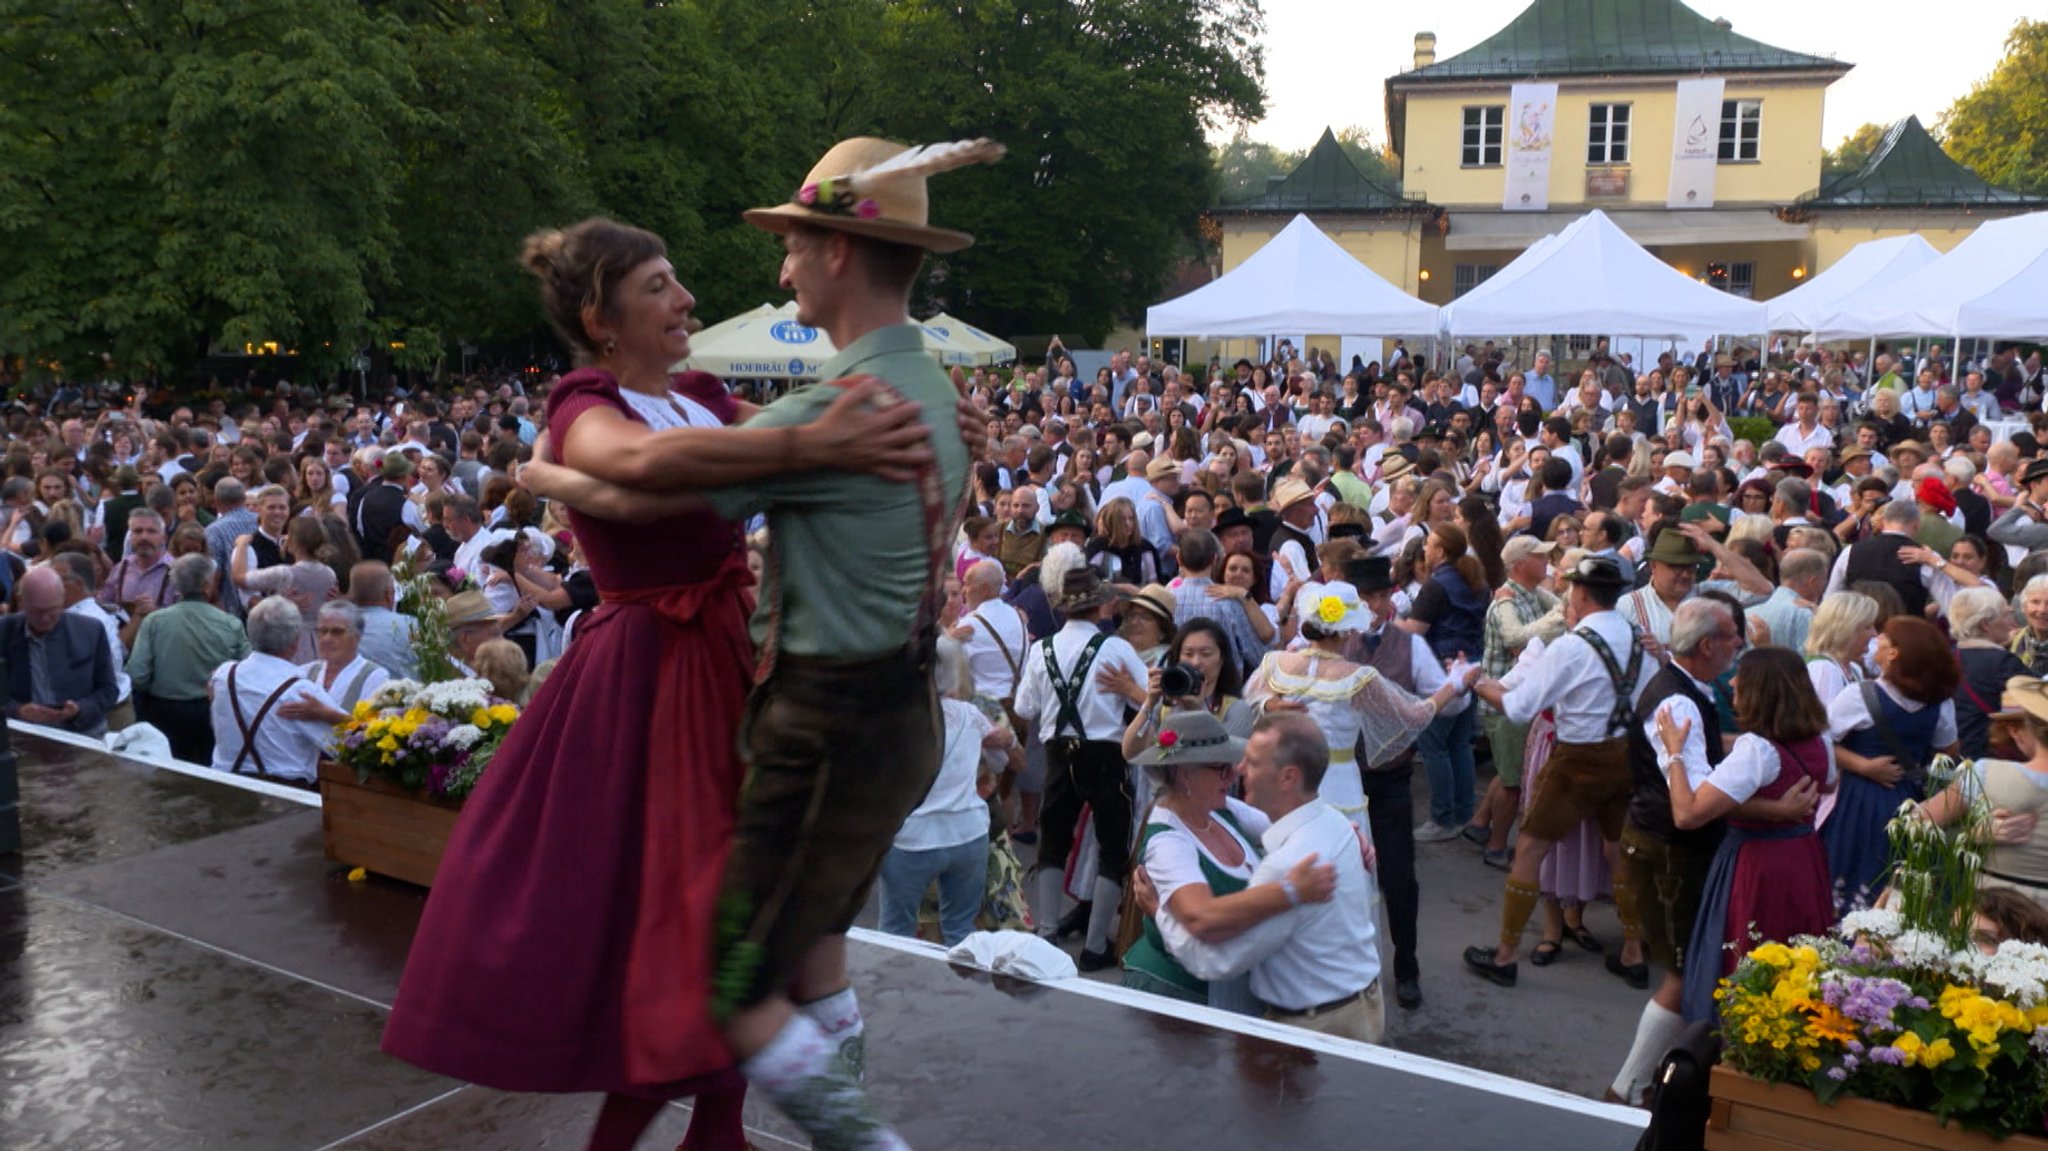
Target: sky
1911,58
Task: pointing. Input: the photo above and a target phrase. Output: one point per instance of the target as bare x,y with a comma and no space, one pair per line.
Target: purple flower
457,577
1869,1000
1837,1074
1891,1056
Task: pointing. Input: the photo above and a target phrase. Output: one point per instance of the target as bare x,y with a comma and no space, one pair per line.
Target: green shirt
850,550
1351,489
178,647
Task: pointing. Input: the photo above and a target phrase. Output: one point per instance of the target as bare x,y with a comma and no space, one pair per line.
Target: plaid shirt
1525,606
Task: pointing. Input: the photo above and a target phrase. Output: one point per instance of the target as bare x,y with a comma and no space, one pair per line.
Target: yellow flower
1909,1045
1937,1053
481,717
357,875
504,713
1331,610
363,710
1828,1023
1773,955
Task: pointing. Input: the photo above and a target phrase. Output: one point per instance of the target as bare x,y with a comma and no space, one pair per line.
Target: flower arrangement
1899,1007
436,737
430,639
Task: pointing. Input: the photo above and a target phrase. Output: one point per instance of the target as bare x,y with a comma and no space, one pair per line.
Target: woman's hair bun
543,251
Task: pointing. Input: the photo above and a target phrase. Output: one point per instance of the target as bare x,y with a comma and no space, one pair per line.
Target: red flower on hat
808,194
1168,738
867,209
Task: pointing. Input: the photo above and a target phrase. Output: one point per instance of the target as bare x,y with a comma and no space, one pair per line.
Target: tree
2000,129
1246,167
1854,151
1371,159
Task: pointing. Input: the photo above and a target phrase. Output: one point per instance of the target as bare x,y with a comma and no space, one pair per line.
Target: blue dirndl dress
1859,853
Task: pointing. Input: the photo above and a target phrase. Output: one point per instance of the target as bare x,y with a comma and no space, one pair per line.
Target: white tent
959,342
1994,283
1300,282
1869,263
1593,278
766,343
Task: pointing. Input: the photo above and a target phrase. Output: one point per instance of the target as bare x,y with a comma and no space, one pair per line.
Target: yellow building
1702,144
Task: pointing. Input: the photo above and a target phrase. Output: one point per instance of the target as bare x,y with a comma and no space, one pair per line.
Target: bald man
60,667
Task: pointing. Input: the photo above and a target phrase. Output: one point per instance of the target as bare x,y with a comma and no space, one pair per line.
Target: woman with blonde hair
1117,549
1838,640
503,663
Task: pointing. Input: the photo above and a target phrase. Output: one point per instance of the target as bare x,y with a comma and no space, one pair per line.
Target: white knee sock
1103,912
1047,892
800,1069
1655,1033
838,1016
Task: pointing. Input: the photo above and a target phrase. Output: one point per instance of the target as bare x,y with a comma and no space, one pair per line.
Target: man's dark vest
1649,808
1287,531
1395,660
1877,558
265,551
379,516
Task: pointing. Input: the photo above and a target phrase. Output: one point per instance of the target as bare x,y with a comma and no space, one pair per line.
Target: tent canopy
766,343
1593,278
1994,283
1868,263
1301,281
959,342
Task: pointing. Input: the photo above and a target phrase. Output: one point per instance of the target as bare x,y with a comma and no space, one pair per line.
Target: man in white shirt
1318,965
78,572
1081,722
1805,433
269,720
1589,679
465,522
341,670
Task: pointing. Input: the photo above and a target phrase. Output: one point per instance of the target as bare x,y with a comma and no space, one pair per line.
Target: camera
1178,680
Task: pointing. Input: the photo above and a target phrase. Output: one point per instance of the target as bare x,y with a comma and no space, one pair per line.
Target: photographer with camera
1200,674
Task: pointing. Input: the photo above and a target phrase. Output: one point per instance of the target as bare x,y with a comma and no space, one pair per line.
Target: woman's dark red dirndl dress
567,944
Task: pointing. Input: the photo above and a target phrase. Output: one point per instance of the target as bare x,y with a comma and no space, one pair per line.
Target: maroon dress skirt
568,942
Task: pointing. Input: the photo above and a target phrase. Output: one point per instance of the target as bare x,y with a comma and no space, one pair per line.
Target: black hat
2036,470
1597,571
1370,574
1347,531
1232,518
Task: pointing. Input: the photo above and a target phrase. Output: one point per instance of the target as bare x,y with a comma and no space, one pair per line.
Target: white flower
1921,949
2017,969
464,736
1876,922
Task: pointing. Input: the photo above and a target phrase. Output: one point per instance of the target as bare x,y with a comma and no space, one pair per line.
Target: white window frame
1741,114
1486,120
1607,134
1735,277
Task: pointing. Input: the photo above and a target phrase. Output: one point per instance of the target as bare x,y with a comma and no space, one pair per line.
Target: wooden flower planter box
381,827
1751,1115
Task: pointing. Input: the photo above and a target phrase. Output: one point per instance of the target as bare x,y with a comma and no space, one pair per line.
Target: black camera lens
1179,680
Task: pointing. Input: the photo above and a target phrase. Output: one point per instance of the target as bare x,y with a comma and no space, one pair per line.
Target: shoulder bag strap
1001,646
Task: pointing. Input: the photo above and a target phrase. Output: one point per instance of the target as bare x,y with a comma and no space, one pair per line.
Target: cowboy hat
2024,695
1289,492
1082,589
2037,470
1191,737
1158,600
876,188
1393,466
1162,467
1913,446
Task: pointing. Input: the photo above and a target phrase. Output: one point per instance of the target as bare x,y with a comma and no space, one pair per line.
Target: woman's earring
611,344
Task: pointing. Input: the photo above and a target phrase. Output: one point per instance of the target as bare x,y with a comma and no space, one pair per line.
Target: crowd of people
224,571
1633,654
1200,631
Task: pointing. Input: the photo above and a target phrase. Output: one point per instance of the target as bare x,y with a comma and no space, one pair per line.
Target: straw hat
876,188
1289,492
1159,601
469,607
1393,466
2024,695
1162,468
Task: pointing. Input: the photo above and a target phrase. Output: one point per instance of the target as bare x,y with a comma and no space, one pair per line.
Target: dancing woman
568,942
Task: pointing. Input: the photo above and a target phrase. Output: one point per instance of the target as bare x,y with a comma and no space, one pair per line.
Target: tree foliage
2000,129
179,177
1245,167
1854,151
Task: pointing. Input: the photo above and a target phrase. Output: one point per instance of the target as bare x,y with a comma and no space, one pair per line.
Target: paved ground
1567,1026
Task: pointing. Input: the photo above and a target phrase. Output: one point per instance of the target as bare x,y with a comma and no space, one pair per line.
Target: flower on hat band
1331,610
1168,738
867,209
808,194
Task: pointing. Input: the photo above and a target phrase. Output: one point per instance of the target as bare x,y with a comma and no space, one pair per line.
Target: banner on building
1532,120
1695,143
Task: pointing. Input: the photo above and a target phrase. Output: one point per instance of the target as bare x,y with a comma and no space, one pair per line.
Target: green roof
1604,37
1326,180
1909,170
